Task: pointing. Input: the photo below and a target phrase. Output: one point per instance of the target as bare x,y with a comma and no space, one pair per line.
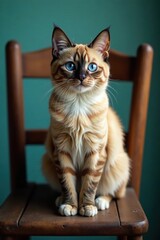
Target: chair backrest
37,65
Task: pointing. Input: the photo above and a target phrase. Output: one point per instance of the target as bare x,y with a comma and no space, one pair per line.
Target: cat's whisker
47,93
62,89
110,90
111,87
110,100
110,95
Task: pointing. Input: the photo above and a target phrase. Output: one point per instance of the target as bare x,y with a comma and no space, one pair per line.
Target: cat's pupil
92,67
70,66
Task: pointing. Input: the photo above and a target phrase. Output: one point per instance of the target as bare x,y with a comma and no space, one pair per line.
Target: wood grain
35,136
32,210
37,64
42,215
13,208
131,214
15,115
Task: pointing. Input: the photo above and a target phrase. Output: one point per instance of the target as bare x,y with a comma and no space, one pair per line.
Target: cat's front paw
67,210
88,211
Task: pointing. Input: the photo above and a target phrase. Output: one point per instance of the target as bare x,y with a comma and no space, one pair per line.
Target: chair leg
14,238
122,238
130,238
135,238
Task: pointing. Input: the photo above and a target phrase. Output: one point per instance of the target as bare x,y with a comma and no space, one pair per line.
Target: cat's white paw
102,203
67,210
88,211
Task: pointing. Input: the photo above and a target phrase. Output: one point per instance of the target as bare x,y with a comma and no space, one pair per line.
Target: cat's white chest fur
78,123
77,106
80,105
78,127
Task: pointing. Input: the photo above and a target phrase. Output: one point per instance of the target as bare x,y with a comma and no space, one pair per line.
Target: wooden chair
29,209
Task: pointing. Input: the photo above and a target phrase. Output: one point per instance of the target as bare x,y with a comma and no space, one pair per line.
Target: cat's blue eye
70,66
92,67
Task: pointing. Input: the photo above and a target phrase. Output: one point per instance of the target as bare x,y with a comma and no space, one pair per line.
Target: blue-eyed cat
85,158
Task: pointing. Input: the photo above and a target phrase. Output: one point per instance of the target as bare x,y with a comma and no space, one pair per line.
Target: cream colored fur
85,159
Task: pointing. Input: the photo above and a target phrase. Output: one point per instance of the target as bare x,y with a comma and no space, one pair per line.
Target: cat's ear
60,41
102,43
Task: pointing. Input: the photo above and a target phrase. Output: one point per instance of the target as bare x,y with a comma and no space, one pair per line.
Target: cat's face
80,68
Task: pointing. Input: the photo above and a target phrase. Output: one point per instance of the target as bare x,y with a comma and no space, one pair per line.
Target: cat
85,158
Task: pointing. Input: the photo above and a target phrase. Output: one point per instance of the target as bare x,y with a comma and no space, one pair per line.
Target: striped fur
85,158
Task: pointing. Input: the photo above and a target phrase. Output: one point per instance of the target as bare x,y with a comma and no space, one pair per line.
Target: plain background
132,22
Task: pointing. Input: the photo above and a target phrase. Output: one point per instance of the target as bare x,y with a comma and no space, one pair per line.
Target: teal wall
132,22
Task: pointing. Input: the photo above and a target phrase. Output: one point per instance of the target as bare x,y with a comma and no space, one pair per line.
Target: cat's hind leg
103,202
121,191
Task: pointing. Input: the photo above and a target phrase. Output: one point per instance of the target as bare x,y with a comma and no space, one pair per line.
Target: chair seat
31,211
